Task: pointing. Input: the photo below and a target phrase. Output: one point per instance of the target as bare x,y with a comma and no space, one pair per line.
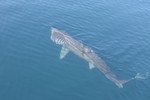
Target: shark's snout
57,36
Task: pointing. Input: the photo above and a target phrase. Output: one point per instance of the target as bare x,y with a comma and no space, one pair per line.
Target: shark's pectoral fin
91,66
64,52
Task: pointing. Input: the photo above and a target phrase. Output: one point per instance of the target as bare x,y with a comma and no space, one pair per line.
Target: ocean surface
117,30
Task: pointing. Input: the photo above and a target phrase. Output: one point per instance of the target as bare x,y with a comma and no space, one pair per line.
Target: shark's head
57,36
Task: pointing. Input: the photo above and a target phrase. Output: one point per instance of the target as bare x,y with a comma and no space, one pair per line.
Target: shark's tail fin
120,83
138,76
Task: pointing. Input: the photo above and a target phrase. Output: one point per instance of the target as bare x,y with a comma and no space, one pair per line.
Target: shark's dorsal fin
64,52
91,66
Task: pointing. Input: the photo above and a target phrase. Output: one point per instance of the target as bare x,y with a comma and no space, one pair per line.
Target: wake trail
141,76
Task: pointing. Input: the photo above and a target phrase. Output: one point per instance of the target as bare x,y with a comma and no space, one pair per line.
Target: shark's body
70,44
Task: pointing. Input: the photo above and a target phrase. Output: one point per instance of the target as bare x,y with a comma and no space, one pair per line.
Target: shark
70,44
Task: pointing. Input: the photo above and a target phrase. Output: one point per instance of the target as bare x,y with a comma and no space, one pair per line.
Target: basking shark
71,45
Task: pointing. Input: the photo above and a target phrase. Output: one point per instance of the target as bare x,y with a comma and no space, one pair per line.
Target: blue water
30,68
